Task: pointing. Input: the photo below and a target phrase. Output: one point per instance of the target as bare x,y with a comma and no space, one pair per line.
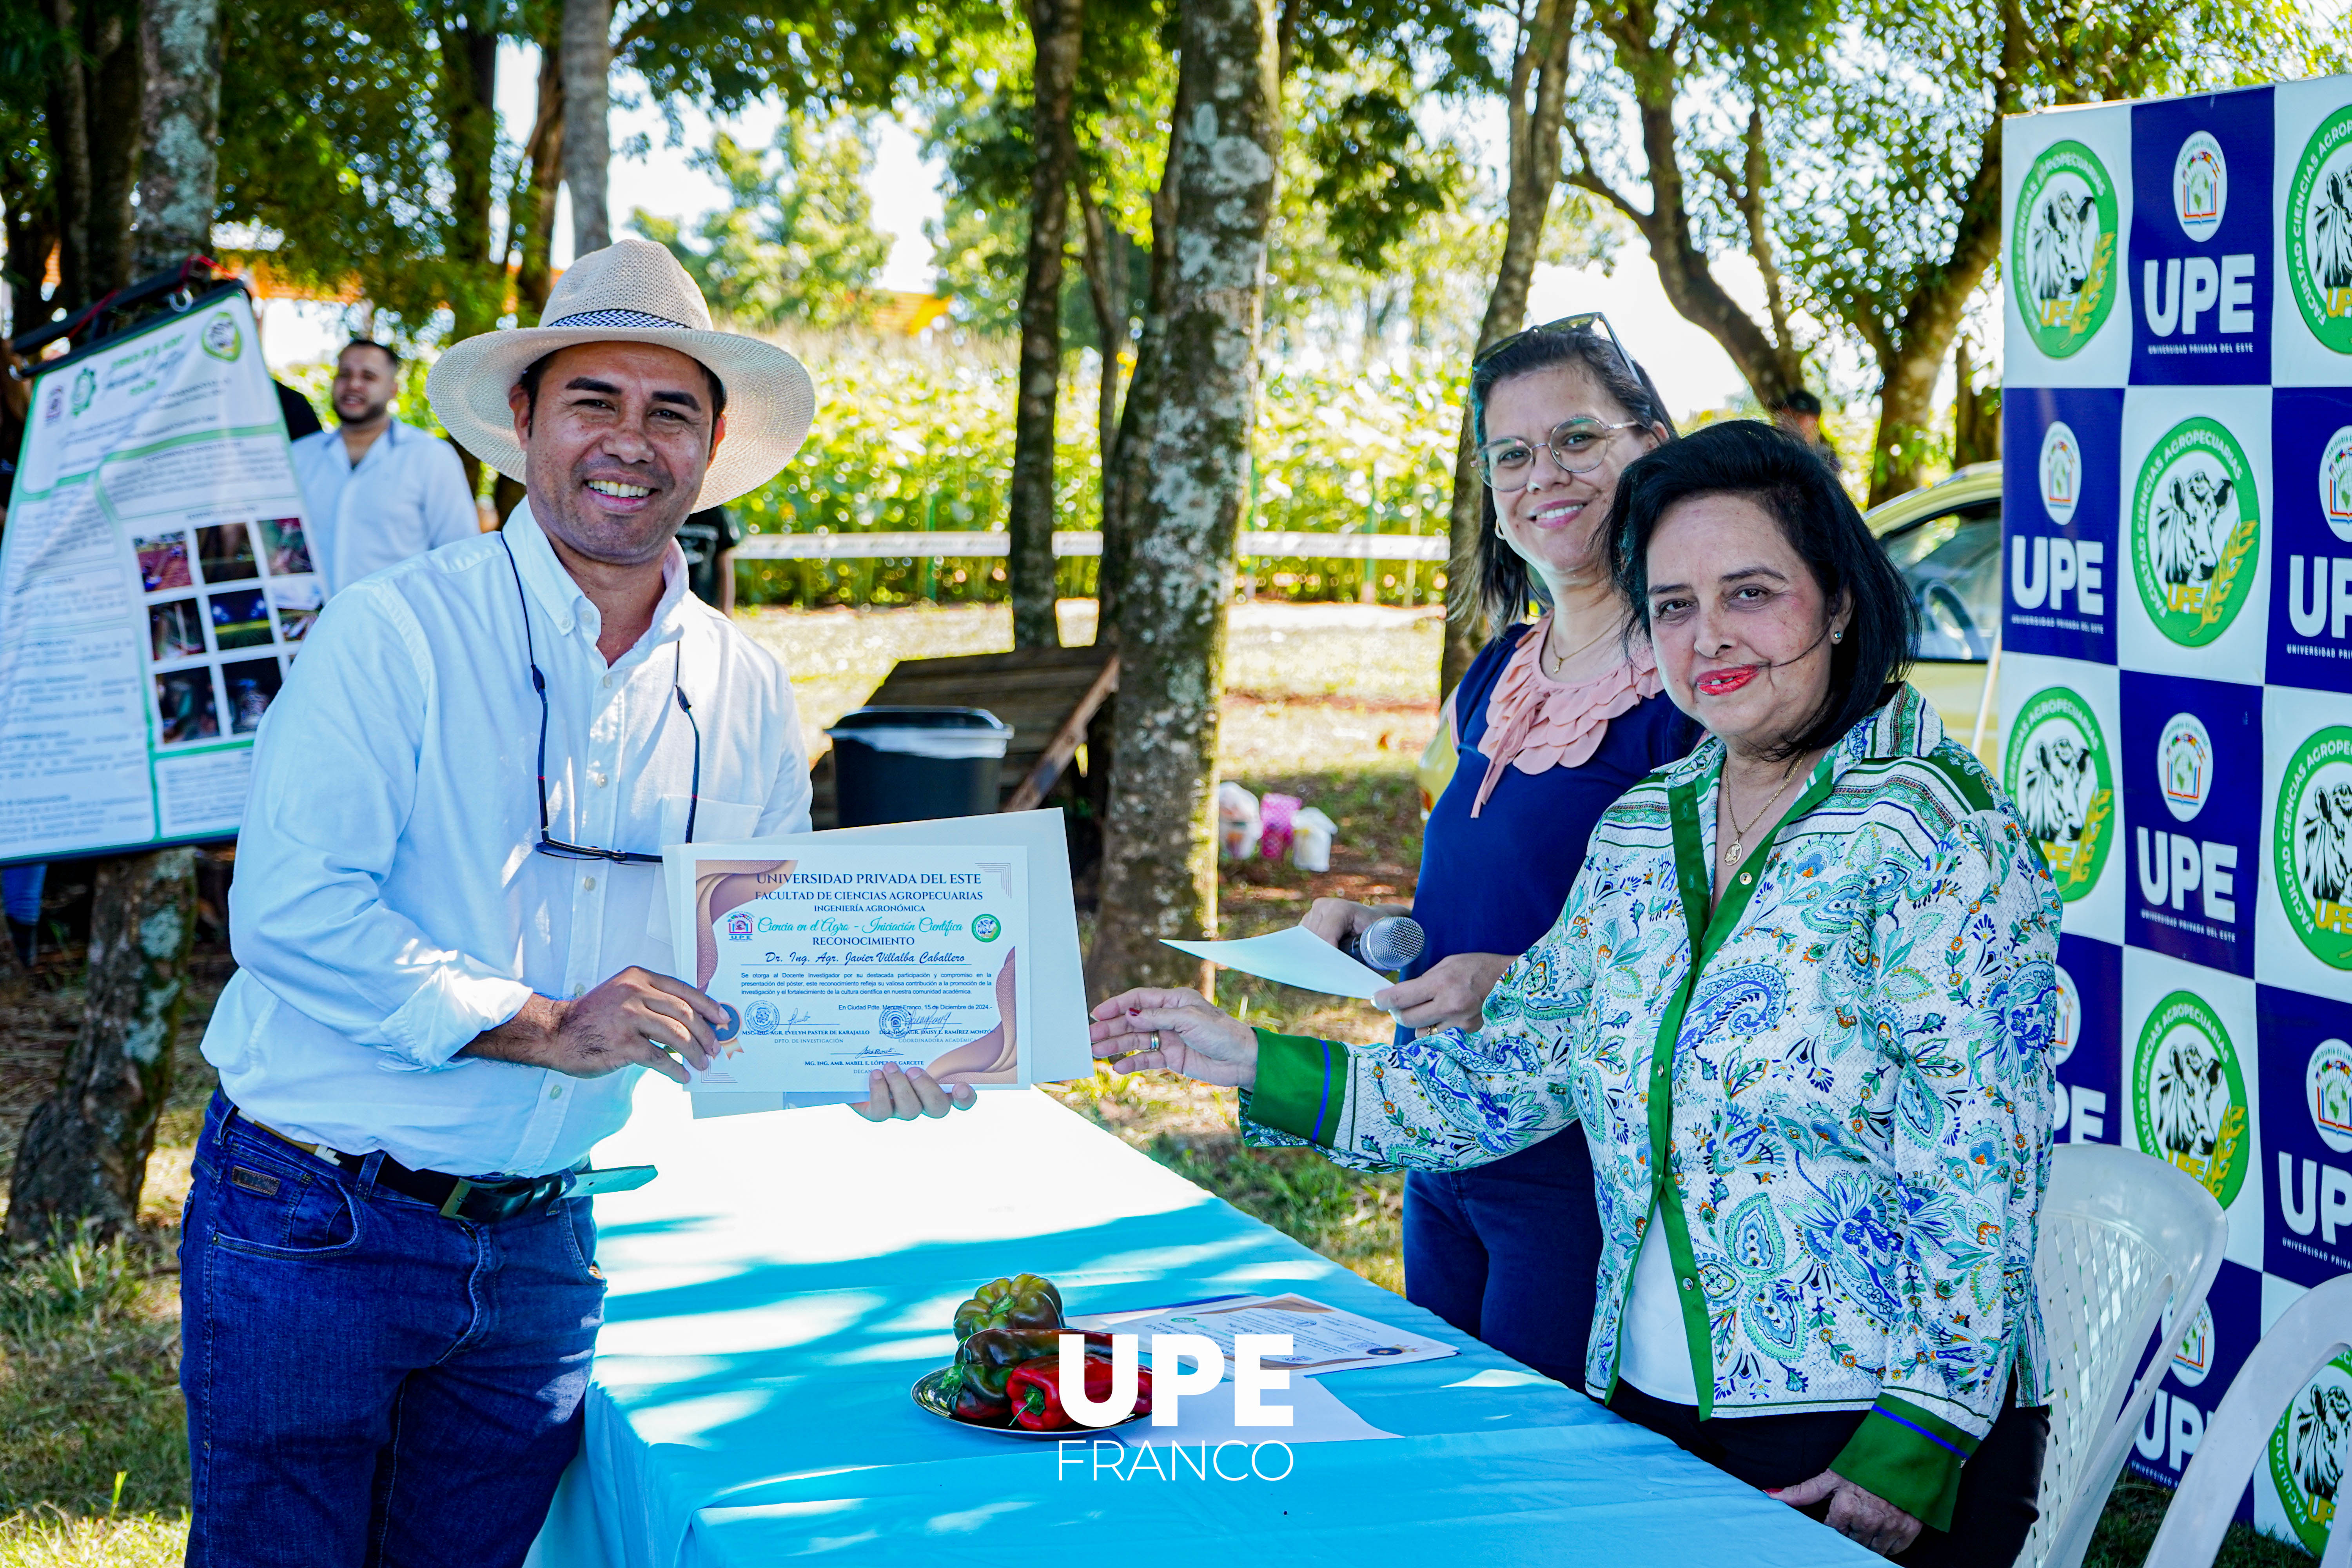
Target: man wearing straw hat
446,987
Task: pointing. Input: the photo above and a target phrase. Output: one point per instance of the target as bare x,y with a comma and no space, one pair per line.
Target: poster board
156,584
2175,685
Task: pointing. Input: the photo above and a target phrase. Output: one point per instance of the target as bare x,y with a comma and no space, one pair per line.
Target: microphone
1389,944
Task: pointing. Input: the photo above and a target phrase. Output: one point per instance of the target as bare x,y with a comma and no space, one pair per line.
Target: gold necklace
1561,662
1731,850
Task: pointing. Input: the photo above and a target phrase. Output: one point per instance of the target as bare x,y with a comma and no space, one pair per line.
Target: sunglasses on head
1591,323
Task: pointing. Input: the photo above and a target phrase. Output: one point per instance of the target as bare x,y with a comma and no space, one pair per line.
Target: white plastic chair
2307,1336
2124,1238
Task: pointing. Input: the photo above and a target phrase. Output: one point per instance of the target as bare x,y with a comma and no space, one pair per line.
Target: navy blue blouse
1495,882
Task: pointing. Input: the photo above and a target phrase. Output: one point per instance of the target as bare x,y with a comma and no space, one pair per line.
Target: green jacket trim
1300,1090
1909,1457
1710,929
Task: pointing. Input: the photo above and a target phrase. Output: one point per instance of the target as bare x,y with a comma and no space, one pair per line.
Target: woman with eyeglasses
1552,721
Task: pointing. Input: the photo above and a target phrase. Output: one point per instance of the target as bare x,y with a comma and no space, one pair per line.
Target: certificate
834,959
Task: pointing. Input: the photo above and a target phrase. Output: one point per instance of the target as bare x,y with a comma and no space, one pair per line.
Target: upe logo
2069,1026
2318,220
2327,1094
2196,533
2058,773
2311,844
2184,766
2062,473
2189,1094
2306,1452
2335,483
2193,1362
2061,258
221,339
57,406
987,928
739,927
2200,185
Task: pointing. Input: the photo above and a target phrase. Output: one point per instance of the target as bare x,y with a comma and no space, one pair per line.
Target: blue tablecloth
777,1290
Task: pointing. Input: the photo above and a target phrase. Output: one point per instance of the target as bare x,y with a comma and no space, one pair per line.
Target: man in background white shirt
447,986
375,489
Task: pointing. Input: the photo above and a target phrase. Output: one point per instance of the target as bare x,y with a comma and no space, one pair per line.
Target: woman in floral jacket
1801,999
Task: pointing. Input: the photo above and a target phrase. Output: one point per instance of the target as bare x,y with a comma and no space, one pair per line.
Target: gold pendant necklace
1543,650
1731,850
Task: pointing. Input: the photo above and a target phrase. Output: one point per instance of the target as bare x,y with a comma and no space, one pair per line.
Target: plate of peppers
1007,1372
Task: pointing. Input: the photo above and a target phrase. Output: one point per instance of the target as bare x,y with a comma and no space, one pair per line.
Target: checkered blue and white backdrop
2176,684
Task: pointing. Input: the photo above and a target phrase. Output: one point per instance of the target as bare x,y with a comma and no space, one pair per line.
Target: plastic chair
2308,1335
2124,1238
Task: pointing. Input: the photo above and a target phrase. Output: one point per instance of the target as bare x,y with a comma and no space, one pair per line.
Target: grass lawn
1330,703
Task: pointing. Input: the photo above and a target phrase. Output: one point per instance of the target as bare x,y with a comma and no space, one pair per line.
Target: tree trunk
84,1154
587,142
1976,412
179,185
1054,27
1107,288
1537,103
1910,359
94,124
1128,476
469,123
117,120
1159,865
531,223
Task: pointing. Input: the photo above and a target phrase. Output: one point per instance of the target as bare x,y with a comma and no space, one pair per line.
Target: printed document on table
1322,1339
834,960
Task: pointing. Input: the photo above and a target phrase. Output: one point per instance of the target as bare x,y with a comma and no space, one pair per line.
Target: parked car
1945,538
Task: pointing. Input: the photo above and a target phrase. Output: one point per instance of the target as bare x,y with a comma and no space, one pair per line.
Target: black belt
457,1197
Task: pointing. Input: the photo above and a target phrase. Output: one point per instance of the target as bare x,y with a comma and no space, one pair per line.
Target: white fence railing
1261,544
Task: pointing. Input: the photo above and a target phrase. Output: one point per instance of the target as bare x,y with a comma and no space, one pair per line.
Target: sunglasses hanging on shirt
548,843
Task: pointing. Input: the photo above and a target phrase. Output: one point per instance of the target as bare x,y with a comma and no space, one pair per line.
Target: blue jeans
1510,1253
367,1382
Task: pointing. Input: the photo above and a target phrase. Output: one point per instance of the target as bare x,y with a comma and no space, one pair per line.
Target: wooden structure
1049,696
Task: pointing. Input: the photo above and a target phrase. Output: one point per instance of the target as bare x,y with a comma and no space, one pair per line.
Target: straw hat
632,292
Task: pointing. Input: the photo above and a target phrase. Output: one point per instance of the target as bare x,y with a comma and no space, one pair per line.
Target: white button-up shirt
407,495
388,905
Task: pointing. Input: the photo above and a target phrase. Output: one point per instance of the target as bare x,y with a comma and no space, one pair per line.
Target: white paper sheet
1323,1339
1317,1415
1294,957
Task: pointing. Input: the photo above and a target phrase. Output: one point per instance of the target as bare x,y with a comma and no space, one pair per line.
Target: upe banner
155,583
2175,691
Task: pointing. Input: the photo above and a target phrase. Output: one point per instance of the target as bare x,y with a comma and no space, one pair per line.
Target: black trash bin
912,764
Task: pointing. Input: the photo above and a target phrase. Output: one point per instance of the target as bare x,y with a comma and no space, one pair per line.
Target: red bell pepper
1034,1387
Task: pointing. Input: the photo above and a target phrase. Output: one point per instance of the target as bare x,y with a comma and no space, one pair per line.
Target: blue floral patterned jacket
1847,1093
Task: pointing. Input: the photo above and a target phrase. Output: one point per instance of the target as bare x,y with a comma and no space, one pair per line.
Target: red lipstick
1723,682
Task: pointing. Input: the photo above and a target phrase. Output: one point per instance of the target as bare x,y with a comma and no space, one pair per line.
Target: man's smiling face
617,447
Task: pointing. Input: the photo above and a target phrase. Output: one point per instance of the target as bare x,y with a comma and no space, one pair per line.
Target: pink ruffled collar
1535,723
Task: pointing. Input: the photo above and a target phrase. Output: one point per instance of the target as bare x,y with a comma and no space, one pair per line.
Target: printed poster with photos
2176,689
156,582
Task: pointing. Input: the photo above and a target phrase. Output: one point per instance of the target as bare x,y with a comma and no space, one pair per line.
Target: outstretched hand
1180,1031
637,1018
1858,1515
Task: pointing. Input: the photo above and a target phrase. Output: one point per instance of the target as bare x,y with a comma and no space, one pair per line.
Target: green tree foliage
797,242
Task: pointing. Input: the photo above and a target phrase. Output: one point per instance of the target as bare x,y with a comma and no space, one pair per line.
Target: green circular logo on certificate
2318,248
987,928
2058,773
2305,1450
2189,1094
2062,253
2196,532
2311,844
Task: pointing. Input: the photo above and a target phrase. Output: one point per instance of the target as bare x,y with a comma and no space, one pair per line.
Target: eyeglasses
1577,447
548,843
1568,326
